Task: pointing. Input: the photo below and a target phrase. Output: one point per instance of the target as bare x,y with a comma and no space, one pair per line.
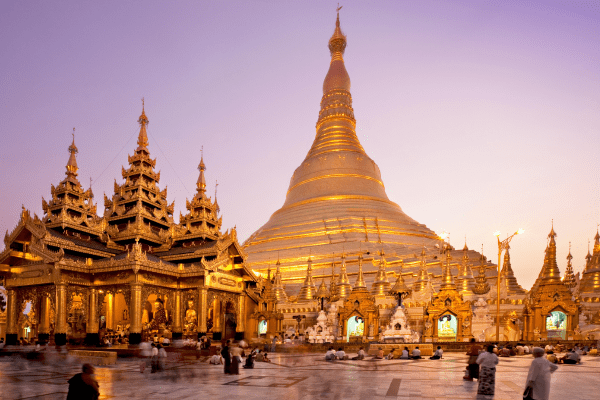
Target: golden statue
190,318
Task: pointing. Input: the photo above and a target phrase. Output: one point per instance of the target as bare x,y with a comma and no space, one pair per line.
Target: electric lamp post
502,245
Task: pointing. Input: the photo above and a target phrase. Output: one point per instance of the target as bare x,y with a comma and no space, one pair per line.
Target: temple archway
355,327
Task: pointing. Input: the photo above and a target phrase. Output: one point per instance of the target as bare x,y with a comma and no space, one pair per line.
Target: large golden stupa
336,203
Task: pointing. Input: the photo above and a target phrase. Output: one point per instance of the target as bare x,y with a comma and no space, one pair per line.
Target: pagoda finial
201,183
143,136
337,77
72,163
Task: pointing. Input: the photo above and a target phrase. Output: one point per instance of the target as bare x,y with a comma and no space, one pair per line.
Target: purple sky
482,116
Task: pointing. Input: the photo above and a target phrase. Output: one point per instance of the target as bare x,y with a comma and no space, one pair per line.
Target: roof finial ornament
72,163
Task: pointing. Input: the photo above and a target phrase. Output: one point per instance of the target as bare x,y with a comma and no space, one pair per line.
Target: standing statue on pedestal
190,318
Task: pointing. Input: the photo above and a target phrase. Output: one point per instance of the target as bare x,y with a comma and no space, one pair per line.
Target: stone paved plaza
295,376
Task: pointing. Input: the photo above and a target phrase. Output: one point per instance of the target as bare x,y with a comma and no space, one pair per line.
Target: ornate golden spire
344,288
400,288
201,183
423,277
308,289
508,276
333,284
143,136
569,278
322,292
381,286
72,163
447,278
481,285
360,280
551,272
278,288
590,279
465,281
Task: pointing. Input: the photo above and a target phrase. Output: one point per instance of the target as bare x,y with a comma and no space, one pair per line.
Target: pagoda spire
360,280
508,276
423,277
381,286
308,290
201,183
344,288
400,289
72,163
569,278
143,136
465,280
481,285
278,288
551,272
447,278
590,280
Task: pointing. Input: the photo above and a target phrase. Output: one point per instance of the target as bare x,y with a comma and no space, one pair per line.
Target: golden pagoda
590,279
508,281
336,198
550,311
464,280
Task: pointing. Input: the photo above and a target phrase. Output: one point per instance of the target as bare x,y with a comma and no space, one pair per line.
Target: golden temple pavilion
133,271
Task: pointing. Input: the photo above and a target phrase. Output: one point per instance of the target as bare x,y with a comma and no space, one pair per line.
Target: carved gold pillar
217,319
92,321
135,314
110,311
60,329
241,314
202,310
44,326
11,317
177,316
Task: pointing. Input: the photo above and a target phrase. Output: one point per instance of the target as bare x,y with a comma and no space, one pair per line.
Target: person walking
226,357
487,375
538,378
473,367
84,386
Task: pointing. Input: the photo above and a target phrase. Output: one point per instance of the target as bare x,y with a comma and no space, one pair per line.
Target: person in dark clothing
473,367
226,357
84,386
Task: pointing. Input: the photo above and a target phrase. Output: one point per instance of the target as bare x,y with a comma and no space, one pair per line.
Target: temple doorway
230,322
447,327
355,327
556,325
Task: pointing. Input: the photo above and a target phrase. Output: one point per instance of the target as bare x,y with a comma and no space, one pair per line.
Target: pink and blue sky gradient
482,115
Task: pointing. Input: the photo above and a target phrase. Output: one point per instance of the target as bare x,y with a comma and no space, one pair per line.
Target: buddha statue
190,318
159,320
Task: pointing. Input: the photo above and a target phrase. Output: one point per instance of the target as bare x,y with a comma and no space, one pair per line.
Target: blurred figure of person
379,355
572,357
83,386
273,343
472,366
162,357
538,378
154,358
341,354
404,355
1,343
236,359
226,357
438,354
487,375
266,358
416,354
361,354
250,360
330,355
390,355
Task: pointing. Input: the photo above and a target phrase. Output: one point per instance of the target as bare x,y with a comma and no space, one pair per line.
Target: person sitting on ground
341,354
572,357
361,354
166,341
216,359
84,386
526,349
404,355
552,358
390,356
520,350
505,352
266,357
379,355
416,354
438,354
260,356
549,349
249,364
330,355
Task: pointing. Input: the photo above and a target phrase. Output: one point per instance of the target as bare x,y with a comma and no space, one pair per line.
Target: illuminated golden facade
133,271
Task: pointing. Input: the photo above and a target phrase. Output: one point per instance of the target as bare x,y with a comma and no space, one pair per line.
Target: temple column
44,325
91,335
110,311
202,311
240,326
135,314
217,334
60,329
177,331
12,335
